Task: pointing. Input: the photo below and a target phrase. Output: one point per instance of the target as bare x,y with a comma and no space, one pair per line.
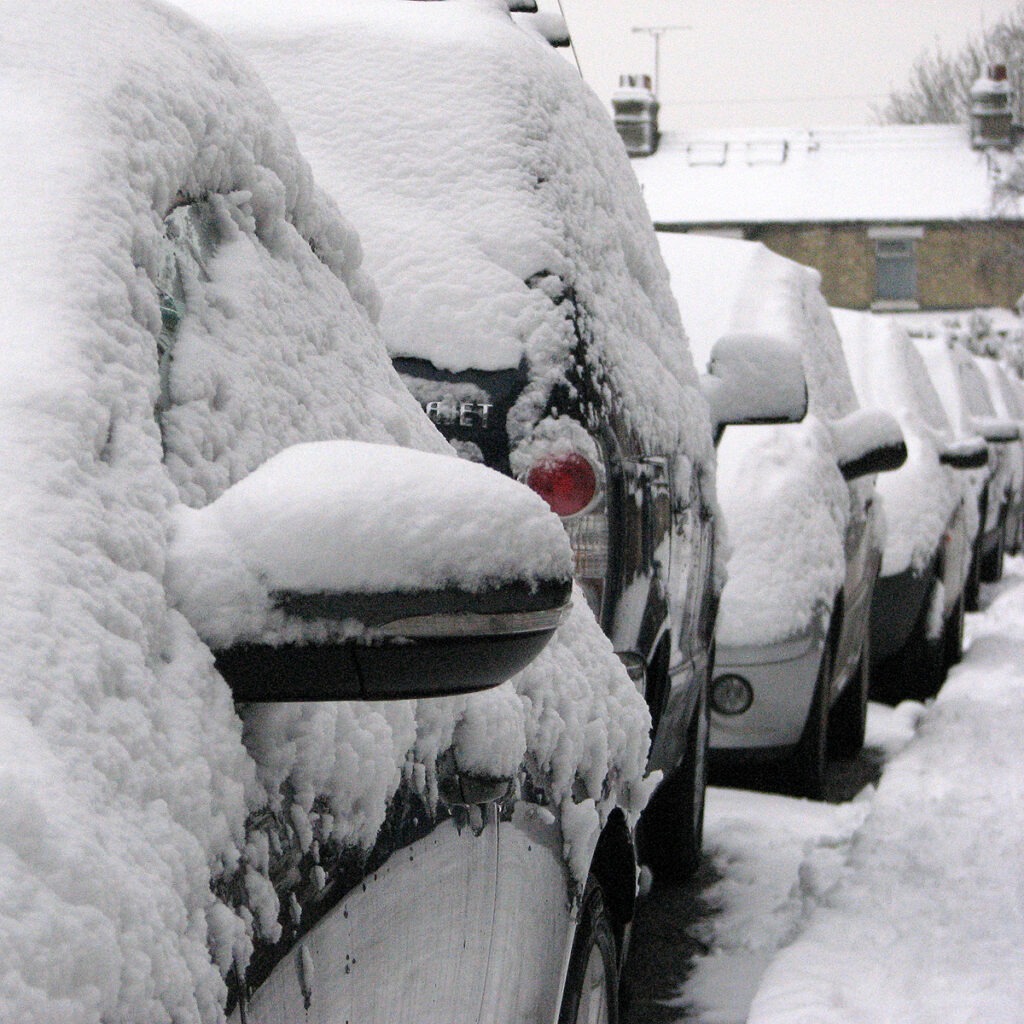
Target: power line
775,99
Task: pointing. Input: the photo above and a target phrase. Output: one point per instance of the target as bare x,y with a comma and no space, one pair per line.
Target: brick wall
959,265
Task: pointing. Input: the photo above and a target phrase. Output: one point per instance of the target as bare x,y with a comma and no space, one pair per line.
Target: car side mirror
869,441
754,378
994,430
347,571
970,453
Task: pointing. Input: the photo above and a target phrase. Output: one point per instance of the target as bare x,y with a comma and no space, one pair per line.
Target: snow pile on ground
922,495
498,210
784,501
773,858
127,776
926,921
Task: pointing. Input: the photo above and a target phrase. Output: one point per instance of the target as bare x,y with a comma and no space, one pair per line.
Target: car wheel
670,835
918,671
805,770
591,993
991,567
953,635
972,585
848,719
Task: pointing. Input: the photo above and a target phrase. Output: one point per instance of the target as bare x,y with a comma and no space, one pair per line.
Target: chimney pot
635,109
992,110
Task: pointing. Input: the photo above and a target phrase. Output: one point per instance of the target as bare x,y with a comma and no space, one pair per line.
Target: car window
189,241
975,390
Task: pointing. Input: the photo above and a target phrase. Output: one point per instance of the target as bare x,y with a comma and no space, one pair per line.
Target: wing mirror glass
754,378
869,441
994,430
348,571
970,453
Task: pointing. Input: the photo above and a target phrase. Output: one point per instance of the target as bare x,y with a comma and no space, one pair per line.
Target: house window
895,268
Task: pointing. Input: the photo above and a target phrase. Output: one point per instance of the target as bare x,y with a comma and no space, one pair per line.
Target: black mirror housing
969,454
305,590
869,441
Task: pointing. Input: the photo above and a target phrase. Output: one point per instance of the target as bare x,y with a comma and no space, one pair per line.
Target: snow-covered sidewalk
906,905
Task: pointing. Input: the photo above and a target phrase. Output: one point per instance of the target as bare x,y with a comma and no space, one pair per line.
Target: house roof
891,173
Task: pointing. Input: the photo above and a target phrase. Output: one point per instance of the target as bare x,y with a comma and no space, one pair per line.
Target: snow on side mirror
754,378
969,453
340,570
549,26
869,441
996,431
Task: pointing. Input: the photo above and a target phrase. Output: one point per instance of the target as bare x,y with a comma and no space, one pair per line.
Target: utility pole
656,32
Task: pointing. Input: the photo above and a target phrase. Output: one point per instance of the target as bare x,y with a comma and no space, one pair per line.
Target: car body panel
782,676
778,590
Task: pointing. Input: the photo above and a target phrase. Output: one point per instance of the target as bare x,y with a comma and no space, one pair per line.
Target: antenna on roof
656,32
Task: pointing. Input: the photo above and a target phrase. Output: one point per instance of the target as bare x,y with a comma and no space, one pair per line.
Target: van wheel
848,720
591,993
670,835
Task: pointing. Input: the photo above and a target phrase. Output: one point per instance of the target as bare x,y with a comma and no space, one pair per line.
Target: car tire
991,566
919,670
849,717
670,836
805,769
972,585
953,635
591,991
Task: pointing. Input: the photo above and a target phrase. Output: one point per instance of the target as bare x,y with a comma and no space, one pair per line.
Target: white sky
798,63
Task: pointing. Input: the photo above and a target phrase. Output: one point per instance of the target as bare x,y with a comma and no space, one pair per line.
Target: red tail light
566,482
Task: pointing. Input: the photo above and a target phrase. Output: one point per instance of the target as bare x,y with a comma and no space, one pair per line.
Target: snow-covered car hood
920,497
489,187
784,501
128,776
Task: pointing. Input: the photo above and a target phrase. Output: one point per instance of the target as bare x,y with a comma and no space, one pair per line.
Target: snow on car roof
885,172
126,783
783,499
921,496
488,185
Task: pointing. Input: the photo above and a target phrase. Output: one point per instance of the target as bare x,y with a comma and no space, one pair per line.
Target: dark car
229,531
917,608
526,306
966,399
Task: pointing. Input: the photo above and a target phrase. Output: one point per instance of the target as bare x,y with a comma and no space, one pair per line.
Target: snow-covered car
1008,401
208,461
917,609
966,398
791,667
527,308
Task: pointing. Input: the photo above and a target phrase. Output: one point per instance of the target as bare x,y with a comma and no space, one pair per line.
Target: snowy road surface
903,905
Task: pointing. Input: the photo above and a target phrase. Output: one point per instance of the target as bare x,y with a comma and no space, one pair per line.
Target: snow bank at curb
927,920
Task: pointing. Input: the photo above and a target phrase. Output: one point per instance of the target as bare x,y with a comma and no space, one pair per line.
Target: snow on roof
489,188
783,499
125,782
892,173
922,495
